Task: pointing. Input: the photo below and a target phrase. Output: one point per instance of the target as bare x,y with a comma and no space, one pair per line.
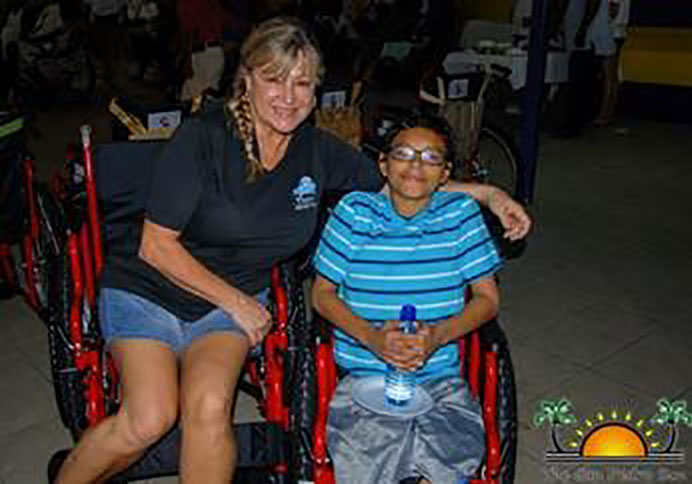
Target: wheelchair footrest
260,445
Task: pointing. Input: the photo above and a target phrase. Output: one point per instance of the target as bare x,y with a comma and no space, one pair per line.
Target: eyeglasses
408,153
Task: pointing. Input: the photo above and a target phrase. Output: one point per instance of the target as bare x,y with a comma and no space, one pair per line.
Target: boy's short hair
421,119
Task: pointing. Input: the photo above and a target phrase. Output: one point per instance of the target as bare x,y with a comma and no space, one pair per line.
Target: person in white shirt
618,13
588,39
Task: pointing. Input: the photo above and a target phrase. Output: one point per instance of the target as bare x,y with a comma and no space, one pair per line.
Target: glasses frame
418,155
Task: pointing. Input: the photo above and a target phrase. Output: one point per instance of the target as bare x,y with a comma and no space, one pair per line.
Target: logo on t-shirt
305,194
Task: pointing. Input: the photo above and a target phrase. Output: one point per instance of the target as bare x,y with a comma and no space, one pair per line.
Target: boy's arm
385,342
481,308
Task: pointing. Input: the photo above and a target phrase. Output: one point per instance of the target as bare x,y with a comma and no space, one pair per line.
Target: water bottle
400,385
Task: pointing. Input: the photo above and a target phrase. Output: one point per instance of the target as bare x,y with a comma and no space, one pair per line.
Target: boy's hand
425,342
394,346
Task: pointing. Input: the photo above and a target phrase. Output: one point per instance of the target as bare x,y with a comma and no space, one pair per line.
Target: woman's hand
251,316
511,213
394,346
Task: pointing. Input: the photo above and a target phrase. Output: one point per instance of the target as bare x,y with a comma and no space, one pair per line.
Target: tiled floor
598,309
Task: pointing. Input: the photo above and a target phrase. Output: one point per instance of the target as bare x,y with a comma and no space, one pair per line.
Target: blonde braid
245,128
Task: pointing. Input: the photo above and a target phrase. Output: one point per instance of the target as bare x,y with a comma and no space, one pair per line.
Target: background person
618,13
106,18
588,39
202,24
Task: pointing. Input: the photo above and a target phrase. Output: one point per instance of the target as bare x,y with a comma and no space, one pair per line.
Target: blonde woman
234,193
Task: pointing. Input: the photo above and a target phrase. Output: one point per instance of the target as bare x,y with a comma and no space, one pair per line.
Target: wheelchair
292,376
28,240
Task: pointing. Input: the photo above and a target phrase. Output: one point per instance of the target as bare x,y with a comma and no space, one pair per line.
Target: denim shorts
125,315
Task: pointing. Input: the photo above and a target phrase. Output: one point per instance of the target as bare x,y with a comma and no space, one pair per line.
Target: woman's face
282,104
415,166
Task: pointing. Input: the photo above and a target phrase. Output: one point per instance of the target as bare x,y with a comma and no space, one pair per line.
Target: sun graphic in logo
613,436
617,436
614,440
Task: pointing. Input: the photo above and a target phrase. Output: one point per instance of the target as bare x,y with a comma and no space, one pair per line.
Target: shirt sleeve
177,184
348,169
335,249
479,256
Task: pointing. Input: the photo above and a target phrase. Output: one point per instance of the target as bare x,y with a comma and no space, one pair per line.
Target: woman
233,195
378,253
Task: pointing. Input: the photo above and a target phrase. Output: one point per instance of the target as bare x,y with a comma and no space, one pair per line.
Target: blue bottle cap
408,313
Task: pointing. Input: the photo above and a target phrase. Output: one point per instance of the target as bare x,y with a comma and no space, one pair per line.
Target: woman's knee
144,426
208,408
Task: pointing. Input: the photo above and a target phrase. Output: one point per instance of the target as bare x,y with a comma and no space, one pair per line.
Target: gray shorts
124,315
443,445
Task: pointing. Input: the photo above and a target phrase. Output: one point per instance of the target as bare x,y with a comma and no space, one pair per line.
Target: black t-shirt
238,230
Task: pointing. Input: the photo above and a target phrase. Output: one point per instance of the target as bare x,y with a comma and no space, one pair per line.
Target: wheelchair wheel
300,378
47,247
68,381
507,417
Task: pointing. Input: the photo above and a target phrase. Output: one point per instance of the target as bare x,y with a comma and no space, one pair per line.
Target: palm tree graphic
672,414
556,413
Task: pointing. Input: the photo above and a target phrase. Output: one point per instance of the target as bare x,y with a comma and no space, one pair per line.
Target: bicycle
487,153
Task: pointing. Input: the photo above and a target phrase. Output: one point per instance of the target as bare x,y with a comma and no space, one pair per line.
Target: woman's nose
288,93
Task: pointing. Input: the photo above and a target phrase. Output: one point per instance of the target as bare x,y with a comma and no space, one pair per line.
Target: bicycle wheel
497,161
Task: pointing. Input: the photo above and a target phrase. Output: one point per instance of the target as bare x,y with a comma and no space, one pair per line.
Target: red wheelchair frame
294,358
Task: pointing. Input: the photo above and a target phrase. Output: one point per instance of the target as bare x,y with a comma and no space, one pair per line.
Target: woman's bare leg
210,370
149,388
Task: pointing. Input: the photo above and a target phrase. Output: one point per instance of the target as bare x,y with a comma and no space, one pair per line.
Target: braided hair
274,47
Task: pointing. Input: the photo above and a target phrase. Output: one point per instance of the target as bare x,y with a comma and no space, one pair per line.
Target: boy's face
415,166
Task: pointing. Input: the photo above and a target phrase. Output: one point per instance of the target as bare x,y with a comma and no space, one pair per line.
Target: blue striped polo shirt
380,261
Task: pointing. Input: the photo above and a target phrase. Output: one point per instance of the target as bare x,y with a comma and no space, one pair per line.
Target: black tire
67,379
300,384
498,160
48,246
507,418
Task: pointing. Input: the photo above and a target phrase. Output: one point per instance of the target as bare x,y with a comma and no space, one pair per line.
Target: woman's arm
387,342
512,215
481,308
161,248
